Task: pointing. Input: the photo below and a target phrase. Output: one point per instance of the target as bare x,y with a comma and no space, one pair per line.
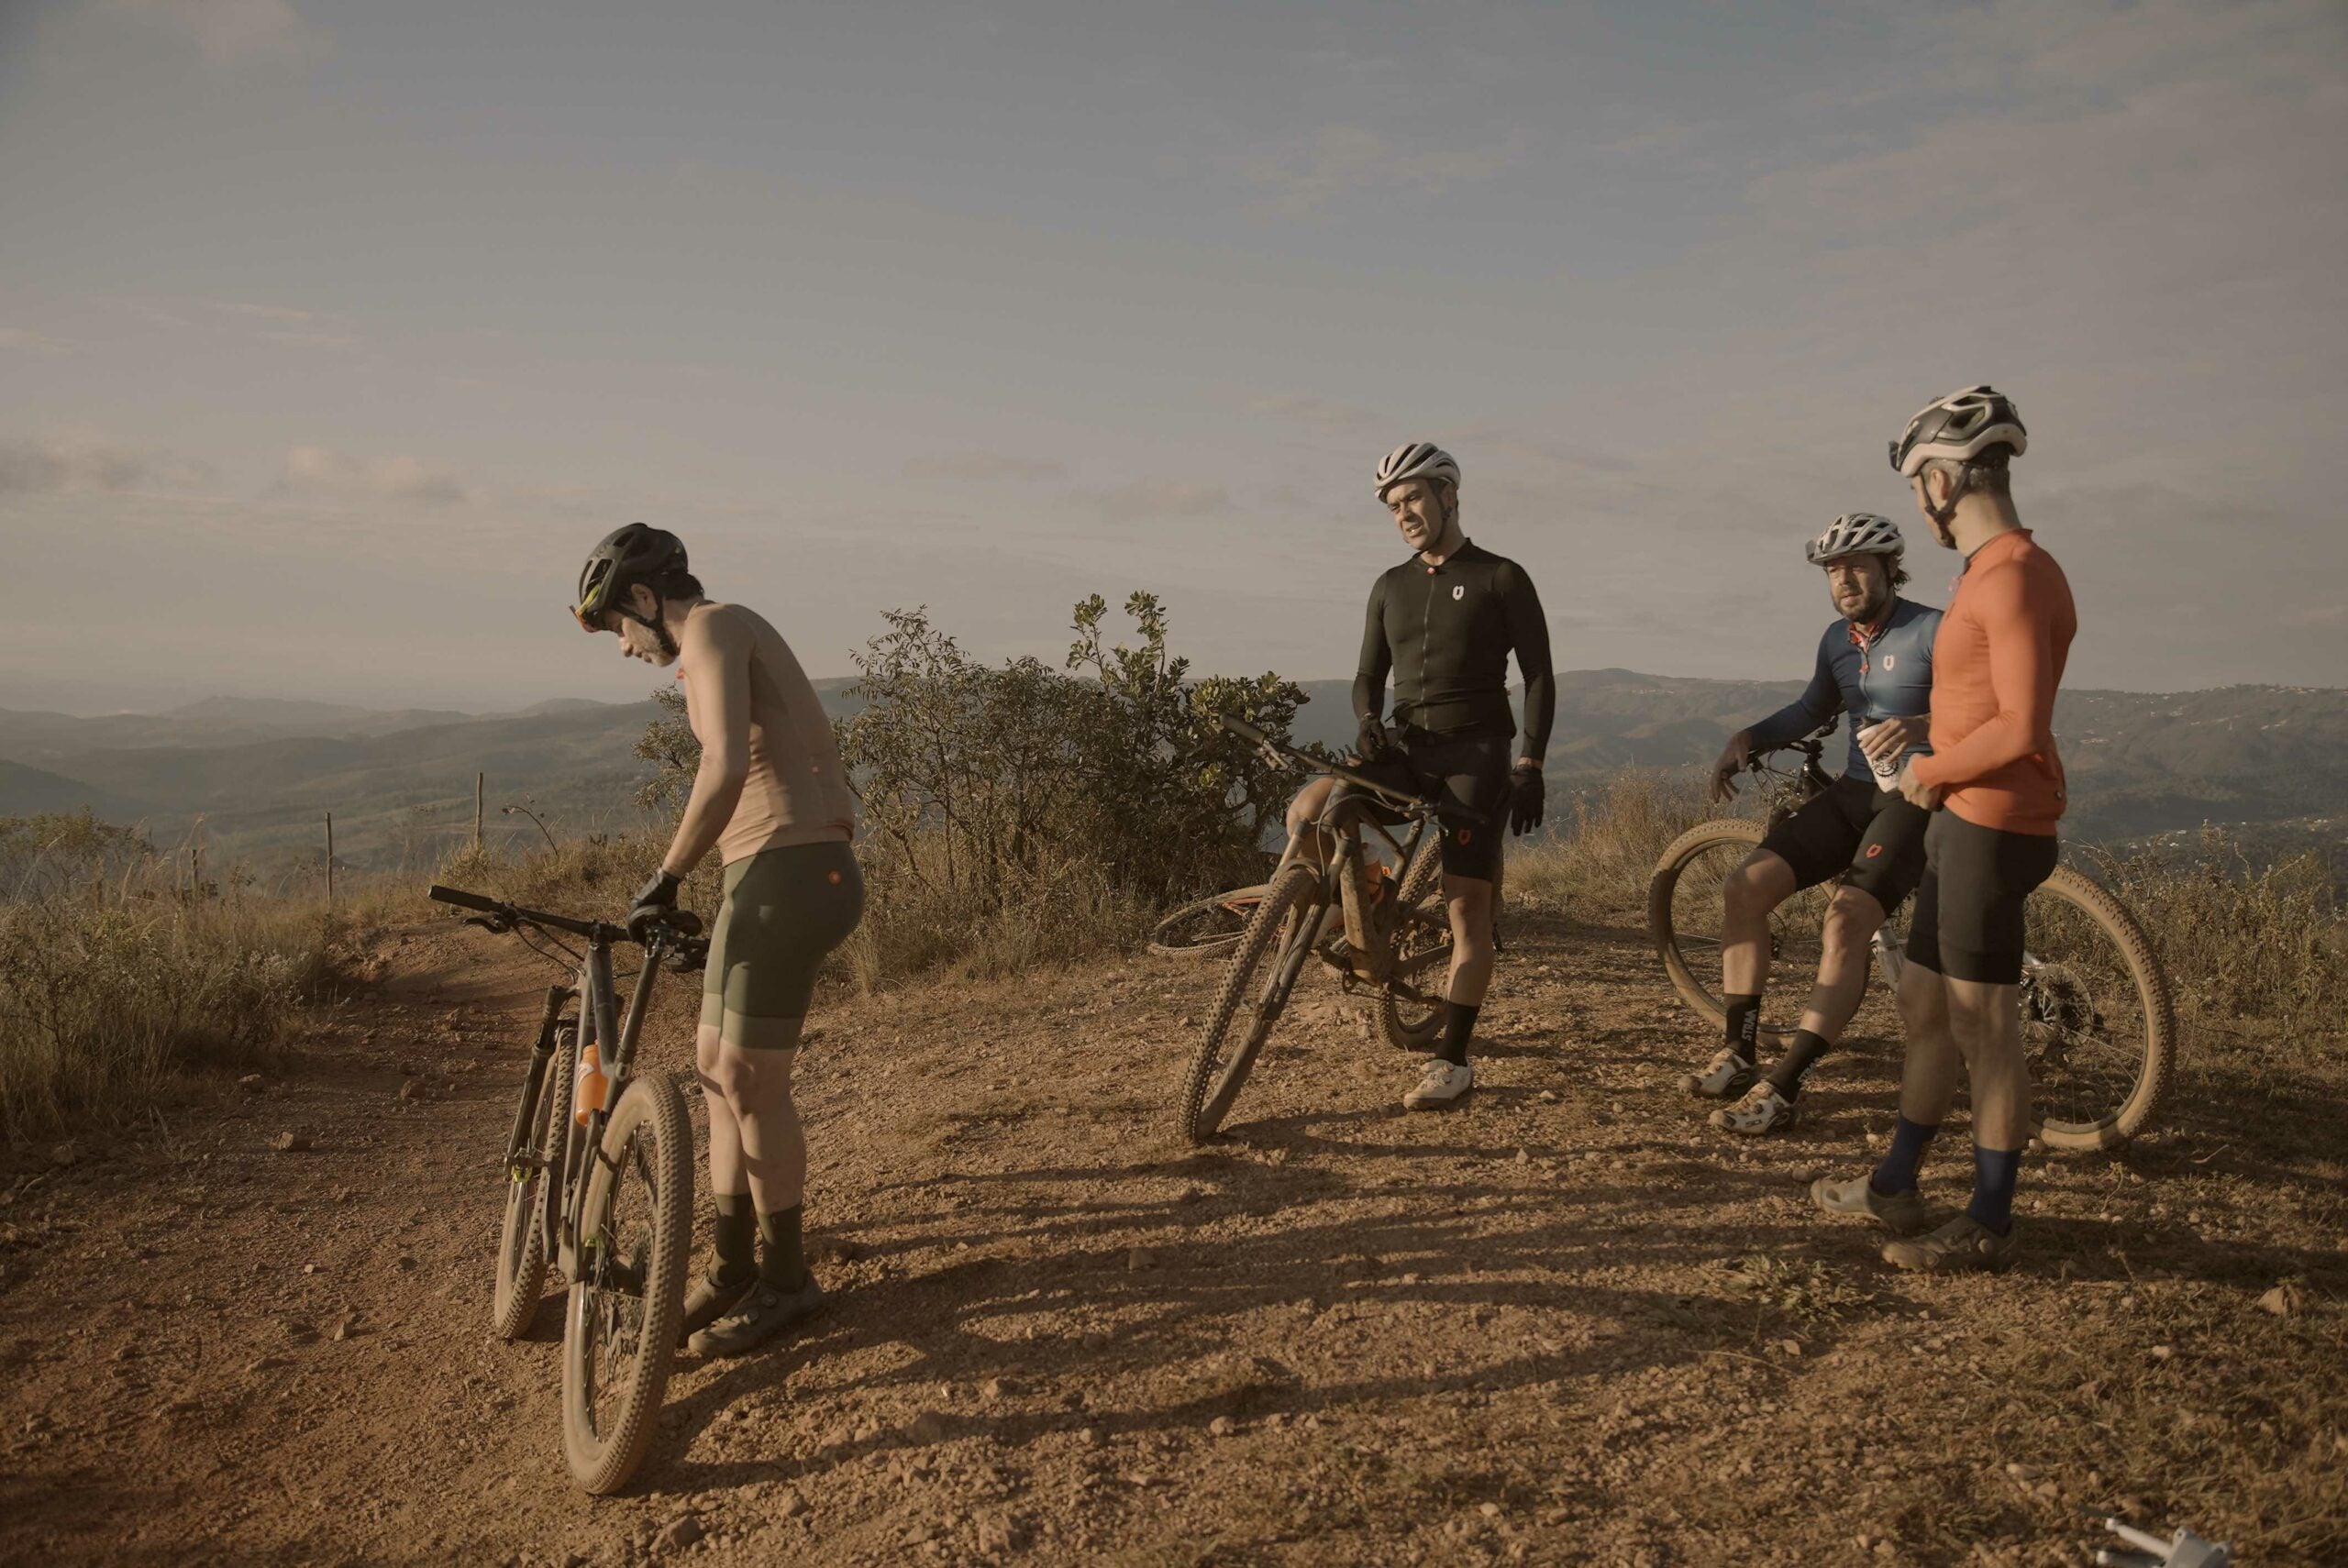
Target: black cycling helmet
637,553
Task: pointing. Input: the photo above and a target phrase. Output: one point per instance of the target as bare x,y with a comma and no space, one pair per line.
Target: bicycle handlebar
682,926
1400,799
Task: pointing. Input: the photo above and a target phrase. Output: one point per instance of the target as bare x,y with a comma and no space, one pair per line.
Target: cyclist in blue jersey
1875,663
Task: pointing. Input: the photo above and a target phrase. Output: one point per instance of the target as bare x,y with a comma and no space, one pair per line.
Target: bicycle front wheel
1206,926
522,1241
620,1333
2099,1025
1684,919
1413,1016
1264,968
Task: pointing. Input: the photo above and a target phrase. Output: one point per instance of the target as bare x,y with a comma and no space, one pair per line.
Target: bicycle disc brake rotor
2057,1012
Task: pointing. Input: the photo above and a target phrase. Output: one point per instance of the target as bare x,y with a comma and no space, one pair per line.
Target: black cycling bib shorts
1969,921
1467,776
1864,838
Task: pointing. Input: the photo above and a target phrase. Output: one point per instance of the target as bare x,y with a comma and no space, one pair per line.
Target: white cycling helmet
1416,460
1961,426
1857,533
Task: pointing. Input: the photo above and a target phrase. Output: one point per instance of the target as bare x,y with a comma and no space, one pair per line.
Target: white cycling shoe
1763,1110
1444,1084
1728,1075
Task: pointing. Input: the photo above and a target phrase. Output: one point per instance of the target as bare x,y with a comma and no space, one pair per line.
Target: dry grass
1609,850
1066,910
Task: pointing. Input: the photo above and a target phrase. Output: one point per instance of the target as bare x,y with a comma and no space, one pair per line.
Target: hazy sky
332,334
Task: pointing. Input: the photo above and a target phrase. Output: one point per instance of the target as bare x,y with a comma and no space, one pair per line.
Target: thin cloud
1336,161
231,31
85,462
321,472
20,340
983,465
1164,498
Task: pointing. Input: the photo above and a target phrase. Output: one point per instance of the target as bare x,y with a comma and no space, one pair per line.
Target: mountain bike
1375,929
2099,1023
599,1185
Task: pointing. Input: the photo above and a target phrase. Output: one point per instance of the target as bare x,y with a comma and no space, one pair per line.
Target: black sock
1799,1059
784,1265
1897,1171
1458,1026
1744,1024
1993,1186
736,1235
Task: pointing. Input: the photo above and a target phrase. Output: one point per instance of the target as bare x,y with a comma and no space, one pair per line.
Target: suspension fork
520,1151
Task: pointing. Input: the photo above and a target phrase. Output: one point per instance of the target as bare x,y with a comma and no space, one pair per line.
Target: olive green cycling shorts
785,909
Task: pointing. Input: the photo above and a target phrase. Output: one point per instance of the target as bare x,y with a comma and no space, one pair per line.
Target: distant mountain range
263,772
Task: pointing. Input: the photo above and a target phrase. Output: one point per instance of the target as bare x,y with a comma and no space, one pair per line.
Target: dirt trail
1566,1323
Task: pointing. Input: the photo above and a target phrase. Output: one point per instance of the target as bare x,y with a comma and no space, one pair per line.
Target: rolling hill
262,773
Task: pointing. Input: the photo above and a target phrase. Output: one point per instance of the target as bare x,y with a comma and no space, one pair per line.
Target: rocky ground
1565,1324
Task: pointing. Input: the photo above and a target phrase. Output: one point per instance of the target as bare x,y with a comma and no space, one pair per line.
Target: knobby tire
1217,1074
1409,1025
603,1454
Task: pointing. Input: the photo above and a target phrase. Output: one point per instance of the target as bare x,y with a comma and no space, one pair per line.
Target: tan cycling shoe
1730,1074
1763,1110
1902,1213
707,1300
1963,1246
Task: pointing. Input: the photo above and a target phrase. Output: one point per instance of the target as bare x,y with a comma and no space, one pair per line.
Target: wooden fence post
195,860
330,859
480,784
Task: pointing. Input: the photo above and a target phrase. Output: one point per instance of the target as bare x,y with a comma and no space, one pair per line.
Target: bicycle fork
521,1154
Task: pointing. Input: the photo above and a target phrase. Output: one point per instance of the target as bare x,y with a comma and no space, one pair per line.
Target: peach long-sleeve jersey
1997,665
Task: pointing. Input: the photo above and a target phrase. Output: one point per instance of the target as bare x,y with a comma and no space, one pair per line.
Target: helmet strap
660,638
1944,517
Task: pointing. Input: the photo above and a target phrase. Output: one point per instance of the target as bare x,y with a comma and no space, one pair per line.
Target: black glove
659,897
1371,742
1526,798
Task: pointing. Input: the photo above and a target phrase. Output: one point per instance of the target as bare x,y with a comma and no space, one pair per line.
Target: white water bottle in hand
1887,766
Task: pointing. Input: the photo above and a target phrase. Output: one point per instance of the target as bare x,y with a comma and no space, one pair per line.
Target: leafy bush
1015,813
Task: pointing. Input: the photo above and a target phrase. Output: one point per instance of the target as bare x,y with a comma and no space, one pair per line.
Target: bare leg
1748,895
1305,841
1985,1020
753,1079
725,1174
1469,902
1928,1073
1851,920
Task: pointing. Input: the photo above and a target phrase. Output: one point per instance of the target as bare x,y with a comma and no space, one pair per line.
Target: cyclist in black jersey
1442,625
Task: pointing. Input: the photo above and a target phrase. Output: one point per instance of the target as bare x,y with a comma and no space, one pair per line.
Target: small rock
2164,1353
927,1427
250,1081
1490,1510
791,1505
994,1388
63,1154
309,1268
1524,1158
289,1142
2284,1300
414,1090
1183,1021
266,1363
1095,1339
1139,1259
404,1262
866,1432
1548,1097
1222,1426
680,1532
1090,1437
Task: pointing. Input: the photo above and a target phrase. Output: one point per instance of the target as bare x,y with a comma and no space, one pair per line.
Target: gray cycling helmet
637,553
1857,533
1960,426
1416,460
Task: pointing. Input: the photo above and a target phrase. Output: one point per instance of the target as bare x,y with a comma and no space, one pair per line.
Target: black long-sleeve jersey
1445,632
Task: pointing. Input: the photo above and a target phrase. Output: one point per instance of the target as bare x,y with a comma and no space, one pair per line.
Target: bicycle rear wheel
1206,926
620,1333
521,1242
1683,918
1264,968
2099,1024
1421,940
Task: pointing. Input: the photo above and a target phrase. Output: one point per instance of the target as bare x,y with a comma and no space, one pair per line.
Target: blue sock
1897,1172
1993,1186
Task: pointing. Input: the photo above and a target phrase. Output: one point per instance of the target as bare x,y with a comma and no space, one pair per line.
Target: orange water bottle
593,1084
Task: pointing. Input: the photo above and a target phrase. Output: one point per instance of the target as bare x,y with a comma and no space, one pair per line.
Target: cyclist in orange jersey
1994,783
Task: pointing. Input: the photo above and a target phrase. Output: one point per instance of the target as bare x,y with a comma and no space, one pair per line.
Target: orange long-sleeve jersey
1997,664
